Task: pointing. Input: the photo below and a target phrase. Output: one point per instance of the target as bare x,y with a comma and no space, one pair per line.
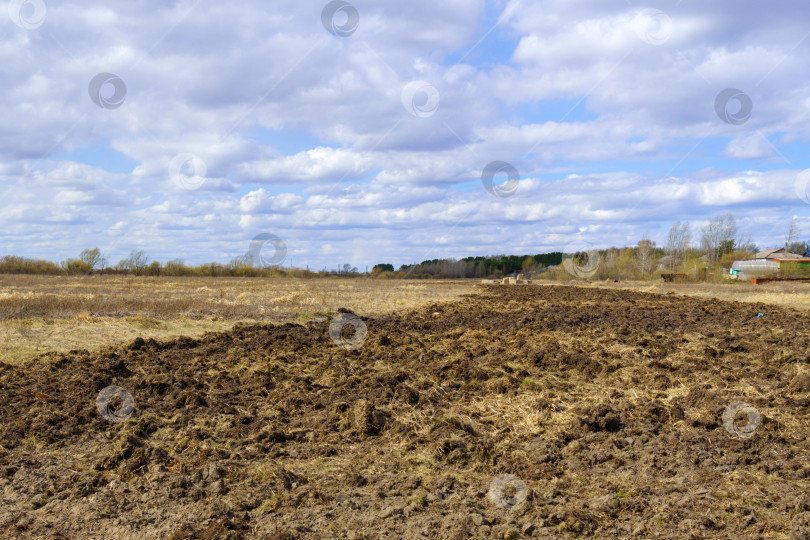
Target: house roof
777,253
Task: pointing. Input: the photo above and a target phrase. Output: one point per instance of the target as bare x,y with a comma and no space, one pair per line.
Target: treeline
707,253
472,267
92,261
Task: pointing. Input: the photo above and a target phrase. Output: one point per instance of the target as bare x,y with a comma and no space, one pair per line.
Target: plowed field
514,412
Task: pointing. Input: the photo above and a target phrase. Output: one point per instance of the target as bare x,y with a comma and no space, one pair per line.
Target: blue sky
209,124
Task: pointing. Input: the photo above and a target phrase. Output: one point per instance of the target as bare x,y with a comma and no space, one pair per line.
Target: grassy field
54,313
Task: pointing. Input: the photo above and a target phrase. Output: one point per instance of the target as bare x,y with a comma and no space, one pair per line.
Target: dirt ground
514,412
792,294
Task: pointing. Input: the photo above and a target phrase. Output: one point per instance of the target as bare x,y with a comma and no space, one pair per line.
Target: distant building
755,268
777,253
768,262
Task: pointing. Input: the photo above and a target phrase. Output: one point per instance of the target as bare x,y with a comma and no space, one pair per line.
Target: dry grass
56,313
794,294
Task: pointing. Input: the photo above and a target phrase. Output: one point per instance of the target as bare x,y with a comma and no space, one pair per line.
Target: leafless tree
746,243
137,261
794,231
678,241
644,260
718,236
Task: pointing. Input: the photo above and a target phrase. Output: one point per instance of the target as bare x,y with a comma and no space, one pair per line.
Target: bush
11,264
176,267
75,266
794,270
153,269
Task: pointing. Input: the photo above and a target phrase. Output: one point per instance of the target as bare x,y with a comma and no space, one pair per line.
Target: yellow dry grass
58,313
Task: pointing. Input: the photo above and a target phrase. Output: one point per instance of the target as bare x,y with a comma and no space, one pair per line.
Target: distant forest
92,261
477,267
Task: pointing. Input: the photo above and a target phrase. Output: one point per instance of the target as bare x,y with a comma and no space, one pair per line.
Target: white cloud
320,164
749,147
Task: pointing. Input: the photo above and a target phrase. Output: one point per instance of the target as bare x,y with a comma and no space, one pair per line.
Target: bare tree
236,262
746,243
718,236
678,241
644,260
136,262
794,231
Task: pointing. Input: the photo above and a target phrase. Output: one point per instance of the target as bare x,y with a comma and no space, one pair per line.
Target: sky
384,132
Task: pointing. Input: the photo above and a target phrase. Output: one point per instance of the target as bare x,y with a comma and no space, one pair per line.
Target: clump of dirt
605,409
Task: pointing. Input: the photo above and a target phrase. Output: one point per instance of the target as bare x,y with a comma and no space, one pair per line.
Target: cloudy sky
397,132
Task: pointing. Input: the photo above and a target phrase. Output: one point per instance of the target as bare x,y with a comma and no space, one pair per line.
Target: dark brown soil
606,405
